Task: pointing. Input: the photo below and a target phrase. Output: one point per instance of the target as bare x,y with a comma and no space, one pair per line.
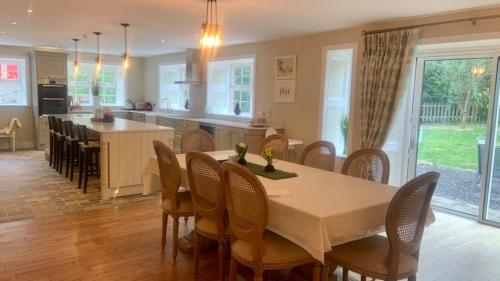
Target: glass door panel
452,128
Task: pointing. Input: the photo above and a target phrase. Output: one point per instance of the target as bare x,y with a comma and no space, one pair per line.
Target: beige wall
302,119
25,136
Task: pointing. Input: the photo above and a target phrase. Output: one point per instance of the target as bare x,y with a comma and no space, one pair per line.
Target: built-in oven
52,99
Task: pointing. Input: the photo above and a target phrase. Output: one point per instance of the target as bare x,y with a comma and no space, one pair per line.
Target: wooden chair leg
97,166
73,162
51,151
164,223
222,257
175,238
363,278
233,270
259,273
316,274
325,274
196,251
186,220
86,163
345,274
413,278
80,167
61,160
69,158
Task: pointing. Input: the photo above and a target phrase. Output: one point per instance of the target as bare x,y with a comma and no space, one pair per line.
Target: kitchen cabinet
51,66
121,115
139,117
180,126
226,138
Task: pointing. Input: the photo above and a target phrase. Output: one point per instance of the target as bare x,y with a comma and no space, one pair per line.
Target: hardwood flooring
124,244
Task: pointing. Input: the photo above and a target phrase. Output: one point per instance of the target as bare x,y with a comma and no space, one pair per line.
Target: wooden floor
124,244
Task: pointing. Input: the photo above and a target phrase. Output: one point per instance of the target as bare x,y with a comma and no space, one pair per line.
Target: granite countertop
119,125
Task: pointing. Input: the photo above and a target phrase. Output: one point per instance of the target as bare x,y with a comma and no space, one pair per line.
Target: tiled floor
29,188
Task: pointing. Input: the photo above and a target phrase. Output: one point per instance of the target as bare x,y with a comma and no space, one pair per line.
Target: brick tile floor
29,188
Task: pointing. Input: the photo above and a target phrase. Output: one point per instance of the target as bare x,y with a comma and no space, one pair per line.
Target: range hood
192,69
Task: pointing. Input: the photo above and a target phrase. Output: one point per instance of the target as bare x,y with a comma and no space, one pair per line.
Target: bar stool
71,149
58,141
52,133
87,153
62,145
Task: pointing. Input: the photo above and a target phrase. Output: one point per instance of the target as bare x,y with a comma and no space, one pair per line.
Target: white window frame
180,88
23,79
347,103
121,85
230,63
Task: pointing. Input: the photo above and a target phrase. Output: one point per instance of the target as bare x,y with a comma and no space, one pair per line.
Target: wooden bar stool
71,149
63,135
58,142
52,134
88,152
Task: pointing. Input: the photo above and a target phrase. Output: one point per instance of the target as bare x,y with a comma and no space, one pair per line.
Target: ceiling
54,23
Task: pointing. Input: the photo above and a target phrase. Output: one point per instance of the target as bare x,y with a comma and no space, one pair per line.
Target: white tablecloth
318,209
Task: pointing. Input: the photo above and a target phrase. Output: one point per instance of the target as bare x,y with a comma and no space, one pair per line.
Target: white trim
24,80
353,89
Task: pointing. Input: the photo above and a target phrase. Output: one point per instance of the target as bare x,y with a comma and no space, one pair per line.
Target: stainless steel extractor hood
192,69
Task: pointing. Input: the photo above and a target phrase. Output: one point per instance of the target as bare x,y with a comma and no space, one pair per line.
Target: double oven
52,99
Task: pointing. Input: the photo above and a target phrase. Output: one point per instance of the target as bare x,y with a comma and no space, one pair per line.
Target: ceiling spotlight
30,11
14,22
162,41
3,32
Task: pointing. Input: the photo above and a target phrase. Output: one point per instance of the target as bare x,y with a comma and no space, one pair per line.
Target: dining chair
9,132
279,143
396,256
72,145
251,244
320,154
368,163
206,181
59,143
174,203
88,153
197,140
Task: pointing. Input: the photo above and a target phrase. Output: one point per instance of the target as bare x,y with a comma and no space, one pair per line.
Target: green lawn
448,145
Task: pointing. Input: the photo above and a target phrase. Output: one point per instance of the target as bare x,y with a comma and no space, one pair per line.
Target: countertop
213,121
119,125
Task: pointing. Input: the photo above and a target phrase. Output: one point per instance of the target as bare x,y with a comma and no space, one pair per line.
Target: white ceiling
55,22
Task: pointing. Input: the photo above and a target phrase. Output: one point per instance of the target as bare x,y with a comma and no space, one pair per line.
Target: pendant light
211,31
98,59
76,64
125,56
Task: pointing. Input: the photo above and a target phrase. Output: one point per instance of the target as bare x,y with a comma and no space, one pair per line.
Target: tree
452,82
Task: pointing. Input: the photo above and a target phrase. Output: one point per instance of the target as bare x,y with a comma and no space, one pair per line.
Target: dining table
316,209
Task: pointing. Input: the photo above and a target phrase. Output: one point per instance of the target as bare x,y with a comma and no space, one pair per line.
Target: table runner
276,175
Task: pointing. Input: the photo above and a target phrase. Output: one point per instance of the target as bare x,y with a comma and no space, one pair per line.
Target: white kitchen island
126,147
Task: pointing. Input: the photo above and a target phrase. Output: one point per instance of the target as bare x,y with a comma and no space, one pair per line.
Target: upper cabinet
51,67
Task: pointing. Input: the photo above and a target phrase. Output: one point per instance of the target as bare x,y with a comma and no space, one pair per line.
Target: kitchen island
126,147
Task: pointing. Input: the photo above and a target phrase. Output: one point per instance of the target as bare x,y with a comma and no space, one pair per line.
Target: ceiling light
76,66
3,32
30,11
125,56
98,59
211,31
162,41
14,22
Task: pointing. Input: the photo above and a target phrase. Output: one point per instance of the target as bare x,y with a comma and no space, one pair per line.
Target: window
110,81
337,90
13,82
230,85
173,96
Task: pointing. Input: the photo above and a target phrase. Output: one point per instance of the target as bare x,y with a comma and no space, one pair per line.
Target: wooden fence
442,112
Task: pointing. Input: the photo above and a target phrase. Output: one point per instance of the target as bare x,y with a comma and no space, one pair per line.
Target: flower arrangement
241,151
268,155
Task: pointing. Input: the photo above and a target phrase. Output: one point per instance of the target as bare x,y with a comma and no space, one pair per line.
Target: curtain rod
473,20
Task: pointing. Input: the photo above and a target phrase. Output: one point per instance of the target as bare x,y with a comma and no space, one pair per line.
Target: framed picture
284,91
286,67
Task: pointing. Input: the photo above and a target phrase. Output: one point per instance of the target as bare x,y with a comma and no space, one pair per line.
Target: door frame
457,53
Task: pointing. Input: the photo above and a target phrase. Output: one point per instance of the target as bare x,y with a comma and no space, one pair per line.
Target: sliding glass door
455,132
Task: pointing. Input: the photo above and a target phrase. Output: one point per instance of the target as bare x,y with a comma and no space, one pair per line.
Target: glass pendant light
125,56
98,59
211,31
76,64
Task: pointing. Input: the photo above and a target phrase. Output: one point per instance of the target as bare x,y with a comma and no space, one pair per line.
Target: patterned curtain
387,59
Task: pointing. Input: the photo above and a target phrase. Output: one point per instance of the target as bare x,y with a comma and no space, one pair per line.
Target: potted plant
241,151
268,155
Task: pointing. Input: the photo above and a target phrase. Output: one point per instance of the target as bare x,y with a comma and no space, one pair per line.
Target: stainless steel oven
52,99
